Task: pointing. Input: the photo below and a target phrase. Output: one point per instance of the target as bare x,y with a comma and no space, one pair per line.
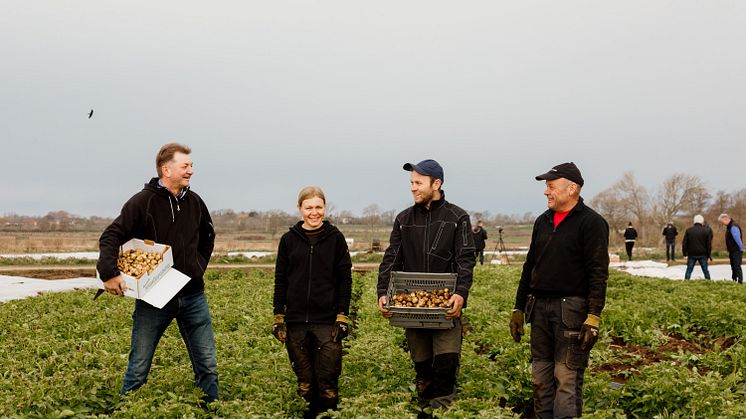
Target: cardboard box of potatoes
147,269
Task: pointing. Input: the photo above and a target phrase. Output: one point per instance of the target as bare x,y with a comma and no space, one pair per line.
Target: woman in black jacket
313,285
630,234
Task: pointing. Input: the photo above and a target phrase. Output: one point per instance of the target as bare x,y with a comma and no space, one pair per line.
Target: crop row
63,355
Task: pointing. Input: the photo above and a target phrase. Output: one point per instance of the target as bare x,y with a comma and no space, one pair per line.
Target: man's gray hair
723,216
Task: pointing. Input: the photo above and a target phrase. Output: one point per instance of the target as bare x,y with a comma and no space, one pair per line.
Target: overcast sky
276,95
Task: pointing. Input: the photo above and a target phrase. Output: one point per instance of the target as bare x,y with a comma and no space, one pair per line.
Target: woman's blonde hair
310,192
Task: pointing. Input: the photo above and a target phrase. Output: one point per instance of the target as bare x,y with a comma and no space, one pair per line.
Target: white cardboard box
158,287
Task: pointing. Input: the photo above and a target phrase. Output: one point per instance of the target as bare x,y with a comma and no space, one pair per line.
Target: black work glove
516,325
341,328
589,332
278,328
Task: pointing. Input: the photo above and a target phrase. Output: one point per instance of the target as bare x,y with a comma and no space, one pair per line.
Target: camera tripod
500,246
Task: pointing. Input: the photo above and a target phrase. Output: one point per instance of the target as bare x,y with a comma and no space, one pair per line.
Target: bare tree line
678,198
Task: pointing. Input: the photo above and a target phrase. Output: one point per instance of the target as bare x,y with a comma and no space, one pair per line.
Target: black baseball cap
427,167
566,170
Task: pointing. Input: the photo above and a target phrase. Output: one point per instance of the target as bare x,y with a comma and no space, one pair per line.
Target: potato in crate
419,299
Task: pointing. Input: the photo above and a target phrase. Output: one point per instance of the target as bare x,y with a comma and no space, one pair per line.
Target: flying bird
90,114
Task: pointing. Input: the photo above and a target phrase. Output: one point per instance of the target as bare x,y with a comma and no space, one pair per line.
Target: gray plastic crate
419,317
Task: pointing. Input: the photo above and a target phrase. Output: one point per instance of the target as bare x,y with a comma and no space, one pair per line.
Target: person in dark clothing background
670,233
313,287
166,211
734,244
630,235
697,246
562,292
480,240
433,235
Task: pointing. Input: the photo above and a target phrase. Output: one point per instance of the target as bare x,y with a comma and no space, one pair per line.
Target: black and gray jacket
438,239
182,222
313,282
571,259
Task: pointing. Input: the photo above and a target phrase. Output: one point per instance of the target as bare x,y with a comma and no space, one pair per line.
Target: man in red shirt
562,292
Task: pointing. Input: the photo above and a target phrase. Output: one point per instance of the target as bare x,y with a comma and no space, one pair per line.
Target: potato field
668,349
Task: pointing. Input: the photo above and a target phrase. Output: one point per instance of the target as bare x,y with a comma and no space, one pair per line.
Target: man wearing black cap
433,235
562,291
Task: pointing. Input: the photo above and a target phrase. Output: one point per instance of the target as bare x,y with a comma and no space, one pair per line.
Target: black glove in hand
516,325
278,328
589,332
341,328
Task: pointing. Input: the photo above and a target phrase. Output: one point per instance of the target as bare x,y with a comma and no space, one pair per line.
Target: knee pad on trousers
446,367
304,390
328,400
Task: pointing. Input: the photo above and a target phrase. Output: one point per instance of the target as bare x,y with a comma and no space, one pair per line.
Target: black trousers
736,258
317,361
629,246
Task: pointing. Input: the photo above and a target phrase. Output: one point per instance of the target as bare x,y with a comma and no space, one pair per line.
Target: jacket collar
156,185
580,206
297,228
433,204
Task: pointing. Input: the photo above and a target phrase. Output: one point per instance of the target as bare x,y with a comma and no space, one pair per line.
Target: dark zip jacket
480,238
570,260
697,241
438,239
630,234
182,222
670,232
313,283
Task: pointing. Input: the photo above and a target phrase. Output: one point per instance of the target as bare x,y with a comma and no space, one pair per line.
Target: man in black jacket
433,235
630,235
697,246
480,239
670,233
734,244
166,211
562,291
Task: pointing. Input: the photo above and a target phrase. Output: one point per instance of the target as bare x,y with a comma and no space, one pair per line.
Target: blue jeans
558,364
670,249
479,253
195,324
691,260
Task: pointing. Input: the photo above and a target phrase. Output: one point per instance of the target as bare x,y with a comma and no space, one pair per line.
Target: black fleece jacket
182,222
697,241
569,260
438,239
313,283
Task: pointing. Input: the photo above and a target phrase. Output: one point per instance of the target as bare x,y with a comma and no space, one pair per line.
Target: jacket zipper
424,248
310,270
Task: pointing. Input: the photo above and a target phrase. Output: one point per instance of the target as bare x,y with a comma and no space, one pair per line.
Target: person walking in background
433,235
734,244
480,240
562,292
166,211
313,287
630,234
697,246
670,233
